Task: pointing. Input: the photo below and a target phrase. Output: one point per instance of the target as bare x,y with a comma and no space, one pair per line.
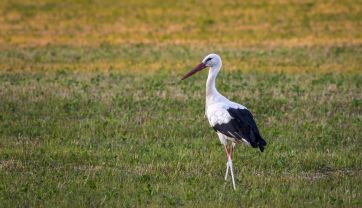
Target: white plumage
217,112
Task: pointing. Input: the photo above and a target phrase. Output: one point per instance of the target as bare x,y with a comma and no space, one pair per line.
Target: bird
231,121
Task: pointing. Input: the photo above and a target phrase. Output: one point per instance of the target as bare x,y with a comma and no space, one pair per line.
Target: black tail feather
261,143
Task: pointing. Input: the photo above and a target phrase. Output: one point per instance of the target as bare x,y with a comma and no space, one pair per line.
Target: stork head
212,60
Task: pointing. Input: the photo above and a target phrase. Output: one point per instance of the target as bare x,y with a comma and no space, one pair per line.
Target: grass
92,113
123,140
150,58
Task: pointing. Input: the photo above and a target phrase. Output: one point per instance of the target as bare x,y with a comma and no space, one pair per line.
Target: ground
92,112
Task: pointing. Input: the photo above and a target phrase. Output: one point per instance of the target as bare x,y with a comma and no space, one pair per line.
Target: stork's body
230,120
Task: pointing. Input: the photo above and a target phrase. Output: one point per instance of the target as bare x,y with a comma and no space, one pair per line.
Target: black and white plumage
241,127
231,121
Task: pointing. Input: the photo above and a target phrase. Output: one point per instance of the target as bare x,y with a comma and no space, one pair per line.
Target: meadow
92,113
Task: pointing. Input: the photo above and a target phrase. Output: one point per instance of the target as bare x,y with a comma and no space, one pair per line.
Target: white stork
230,120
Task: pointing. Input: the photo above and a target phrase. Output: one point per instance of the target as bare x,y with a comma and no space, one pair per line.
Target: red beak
196,69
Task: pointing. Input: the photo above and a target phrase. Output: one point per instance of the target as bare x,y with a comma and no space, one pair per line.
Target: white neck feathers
211,91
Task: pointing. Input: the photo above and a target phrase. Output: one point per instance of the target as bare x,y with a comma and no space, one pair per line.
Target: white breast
217,112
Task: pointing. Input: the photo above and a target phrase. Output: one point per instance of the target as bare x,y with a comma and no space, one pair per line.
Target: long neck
210,84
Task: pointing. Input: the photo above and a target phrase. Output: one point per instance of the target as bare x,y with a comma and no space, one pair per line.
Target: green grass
114,139
143,58
92,113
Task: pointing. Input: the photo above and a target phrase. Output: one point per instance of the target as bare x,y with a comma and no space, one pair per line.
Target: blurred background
292,36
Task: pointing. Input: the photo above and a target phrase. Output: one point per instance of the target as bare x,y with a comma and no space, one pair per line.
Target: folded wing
241,126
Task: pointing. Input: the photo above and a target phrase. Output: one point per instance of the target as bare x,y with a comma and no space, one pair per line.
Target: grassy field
92,113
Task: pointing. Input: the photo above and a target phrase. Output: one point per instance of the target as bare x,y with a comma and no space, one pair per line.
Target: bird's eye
208,60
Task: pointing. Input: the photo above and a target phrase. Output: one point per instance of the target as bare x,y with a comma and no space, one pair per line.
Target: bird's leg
227,163
227,156
232,173
226,151
232,148
227,171
231,165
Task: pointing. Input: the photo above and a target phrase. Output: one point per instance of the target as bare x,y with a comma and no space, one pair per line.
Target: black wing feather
242,126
